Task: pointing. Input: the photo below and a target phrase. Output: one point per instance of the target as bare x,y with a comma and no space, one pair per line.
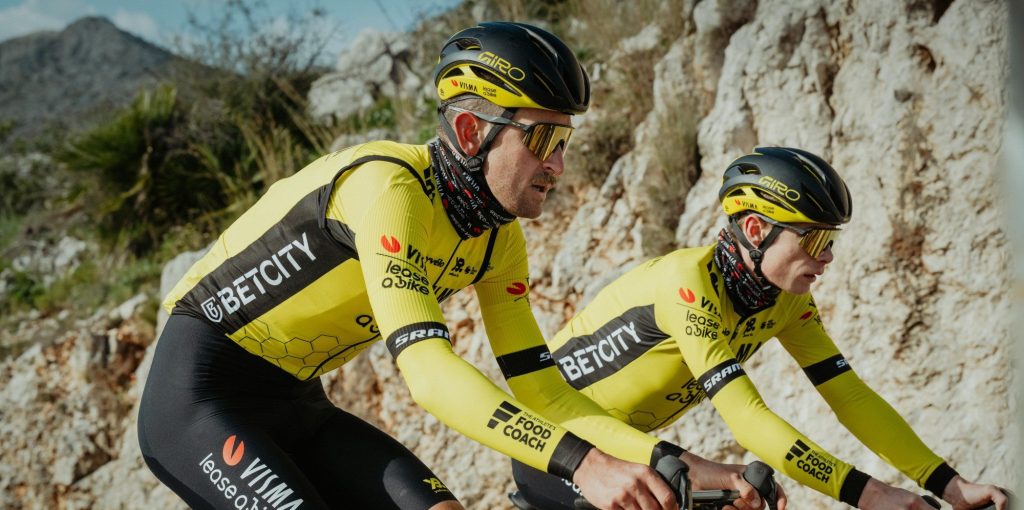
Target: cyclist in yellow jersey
675,330
361,246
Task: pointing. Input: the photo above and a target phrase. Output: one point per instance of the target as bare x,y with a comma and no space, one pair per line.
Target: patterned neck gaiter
470,205
749,294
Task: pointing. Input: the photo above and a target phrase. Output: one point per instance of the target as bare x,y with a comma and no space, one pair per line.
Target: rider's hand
964,495
610,483
879,496
708,475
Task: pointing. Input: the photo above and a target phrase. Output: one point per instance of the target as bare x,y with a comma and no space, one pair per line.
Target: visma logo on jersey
269,272
702,326
257,487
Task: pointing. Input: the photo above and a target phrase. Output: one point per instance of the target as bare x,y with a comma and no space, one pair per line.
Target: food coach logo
245,488
390,244
809,461
529,430
233,455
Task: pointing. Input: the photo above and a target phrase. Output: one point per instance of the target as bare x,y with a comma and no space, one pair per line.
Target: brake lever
759,475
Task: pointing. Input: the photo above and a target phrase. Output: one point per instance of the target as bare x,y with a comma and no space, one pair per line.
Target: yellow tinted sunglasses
813,240
542,138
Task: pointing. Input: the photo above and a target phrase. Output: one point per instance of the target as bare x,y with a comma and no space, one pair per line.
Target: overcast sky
159,21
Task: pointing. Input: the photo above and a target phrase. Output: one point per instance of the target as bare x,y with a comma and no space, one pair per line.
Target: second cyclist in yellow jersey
676,330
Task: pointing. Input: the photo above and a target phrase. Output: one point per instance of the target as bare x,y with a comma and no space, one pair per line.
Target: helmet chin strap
473,163
756,252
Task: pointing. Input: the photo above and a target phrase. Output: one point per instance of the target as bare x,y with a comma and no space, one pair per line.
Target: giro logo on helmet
503,66
779,187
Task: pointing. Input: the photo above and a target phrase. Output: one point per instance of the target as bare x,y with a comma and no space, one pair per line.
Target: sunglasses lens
819,240
543,139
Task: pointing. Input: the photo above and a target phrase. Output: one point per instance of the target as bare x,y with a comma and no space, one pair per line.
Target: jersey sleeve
862,411
410,319
526,362
691,314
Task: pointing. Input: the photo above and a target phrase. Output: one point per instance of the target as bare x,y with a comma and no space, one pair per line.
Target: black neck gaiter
470,205
749,294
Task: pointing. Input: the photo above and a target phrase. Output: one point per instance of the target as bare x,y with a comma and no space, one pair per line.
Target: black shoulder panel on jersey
289,256
716,378
584,360
525,361
824,370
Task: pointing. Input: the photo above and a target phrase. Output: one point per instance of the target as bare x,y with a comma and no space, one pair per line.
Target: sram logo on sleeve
407,335
715,379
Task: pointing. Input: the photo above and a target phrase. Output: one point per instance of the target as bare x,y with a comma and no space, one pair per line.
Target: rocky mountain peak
101,65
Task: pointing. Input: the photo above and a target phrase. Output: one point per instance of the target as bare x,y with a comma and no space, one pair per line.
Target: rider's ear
754,229
467,130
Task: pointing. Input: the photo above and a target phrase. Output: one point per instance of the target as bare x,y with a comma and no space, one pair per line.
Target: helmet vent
544,81
736,193
455,71
484,74
768,197
468,44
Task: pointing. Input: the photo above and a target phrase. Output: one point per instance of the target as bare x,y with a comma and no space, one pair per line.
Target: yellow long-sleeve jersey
357,247
659,339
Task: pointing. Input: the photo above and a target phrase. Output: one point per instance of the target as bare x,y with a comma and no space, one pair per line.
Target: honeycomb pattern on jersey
302,356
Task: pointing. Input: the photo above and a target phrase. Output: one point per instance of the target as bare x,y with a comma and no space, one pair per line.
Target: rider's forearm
460,396
548,393
876,424
783,447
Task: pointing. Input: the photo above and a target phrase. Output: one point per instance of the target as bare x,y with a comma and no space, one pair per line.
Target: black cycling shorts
225,429
544,491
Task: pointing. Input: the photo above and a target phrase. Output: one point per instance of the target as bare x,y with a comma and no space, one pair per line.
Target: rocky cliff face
905,98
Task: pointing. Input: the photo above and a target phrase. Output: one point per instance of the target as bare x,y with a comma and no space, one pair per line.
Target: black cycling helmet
512,65
787,185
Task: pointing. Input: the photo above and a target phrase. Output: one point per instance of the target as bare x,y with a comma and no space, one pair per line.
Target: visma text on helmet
269,272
